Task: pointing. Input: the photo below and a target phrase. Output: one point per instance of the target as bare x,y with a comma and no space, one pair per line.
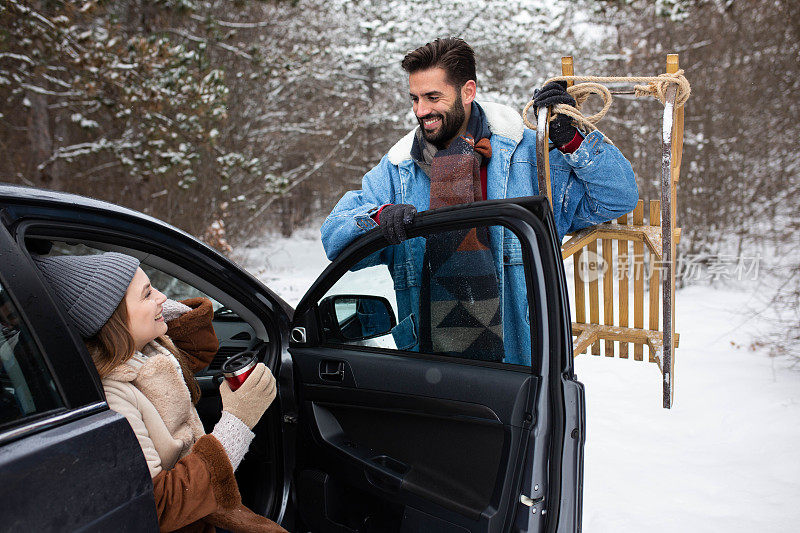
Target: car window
439,294
171,286
26,385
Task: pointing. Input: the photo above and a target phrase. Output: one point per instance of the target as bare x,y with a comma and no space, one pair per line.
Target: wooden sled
652,260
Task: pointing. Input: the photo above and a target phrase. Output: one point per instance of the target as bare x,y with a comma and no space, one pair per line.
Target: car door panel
572,455
48,478
430,441
452,458
435,377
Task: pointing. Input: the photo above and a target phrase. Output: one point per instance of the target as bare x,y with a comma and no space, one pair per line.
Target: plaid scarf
460,311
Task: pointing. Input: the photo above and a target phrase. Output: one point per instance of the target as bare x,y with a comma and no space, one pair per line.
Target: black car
364,436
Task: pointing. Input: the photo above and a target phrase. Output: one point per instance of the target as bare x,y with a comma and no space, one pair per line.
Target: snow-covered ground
723,459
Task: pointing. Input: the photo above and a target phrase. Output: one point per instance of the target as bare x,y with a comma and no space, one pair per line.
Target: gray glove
248,402
394,220
172,310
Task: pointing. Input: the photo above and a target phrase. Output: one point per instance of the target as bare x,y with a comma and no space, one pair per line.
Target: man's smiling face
441,109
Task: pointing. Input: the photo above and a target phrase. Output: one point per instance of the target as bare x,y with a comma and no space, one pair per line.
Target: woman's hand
248,402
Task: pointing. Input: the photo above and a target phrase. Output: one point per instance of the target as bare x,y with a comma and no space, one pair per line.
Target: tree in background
103,100
222,121
741,121
365,89
741,171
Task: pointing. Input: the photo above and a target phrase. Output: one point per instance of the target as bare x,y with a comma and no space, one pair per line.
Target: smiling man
440,112
462,152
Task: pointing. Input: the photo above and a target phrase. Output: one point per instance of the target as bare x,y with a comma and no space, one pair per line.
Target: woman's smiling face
144,306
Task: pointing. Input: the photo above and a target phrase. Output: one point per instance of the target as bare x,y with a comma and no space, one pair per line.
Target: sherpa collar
153,351
503,121
161,381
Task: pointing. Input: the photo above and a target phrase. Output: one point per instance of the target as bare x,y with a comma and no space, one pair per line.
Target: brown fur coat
193,481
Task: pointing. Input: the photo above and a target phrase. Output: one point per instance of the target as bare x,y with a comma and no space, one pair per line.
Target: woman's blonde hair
113,345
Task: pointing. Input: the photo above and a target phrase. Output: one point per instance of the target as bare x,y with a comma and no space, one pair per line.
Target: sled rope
588,85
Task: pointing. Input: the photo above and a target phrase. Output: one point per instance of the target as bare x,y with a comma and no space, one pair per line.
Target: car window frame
147,264
63,353
156,256
538,294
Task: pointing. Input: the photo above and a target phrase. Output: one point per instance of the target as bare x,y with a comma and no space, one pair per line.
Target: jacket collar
130,370
503,121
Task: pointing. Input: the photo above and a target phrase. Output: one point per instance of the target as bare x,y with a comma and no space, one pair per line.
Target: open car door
418,408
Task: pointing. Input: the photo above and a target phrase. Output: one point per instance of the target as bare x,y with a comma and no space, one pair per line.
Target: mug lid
238,362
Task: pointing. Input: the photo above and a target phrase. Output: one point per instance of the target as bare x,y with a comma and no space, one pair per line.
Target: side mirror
349,317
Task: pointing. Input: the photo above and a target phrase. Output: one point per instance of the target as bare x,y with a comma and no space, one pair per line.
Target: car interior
26,387
237,328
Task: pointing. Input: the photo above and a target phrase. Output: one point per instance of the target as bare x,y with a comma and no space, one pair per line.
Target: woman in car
148,376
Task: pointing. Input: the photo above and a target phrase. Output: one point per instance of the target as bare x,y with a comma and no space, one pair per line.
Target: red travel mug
238,367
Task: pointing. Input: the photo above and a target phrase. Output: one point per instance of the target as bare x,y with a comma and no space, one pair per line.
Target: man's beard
452,120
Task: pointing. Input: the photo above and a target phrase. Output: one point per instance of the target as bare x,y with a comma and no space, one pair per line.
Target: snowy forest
227,118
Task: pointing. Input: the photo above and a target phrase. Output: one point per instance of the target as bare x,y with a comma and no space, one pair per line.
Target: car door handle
331,370
386,473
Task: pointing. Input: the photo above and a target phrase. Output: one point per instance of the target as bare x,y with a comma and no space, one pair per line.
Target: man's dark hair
452,54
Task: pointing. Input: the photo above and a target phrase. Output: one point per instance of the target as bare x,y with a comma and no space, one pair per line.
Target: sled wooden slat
567,69
594,296
622,270
638,279
654,271
608,292
677,133
650,235
578,241
589,333
580,289
543,155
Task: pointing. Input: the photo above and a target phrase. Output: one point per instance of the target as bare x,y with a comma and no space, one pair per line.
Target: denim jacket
592,185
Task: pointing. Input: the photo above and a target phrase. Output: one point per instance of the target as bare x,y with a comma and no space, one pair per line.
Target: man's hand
394,220
561,129
551,94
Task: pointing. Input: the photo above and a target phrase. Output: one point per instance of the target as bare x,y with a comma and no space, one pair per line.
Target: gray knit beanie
90,286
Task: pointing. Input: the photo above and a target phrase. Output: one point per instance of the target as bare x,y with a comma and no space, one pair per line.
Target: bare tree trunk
40,140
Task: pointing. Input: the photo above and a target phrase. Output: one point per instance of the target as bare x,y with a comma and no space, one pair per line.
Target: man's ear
468,91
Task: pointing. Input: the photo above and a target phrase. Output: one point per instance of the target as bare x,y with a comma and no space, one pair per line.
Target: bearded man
591,180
